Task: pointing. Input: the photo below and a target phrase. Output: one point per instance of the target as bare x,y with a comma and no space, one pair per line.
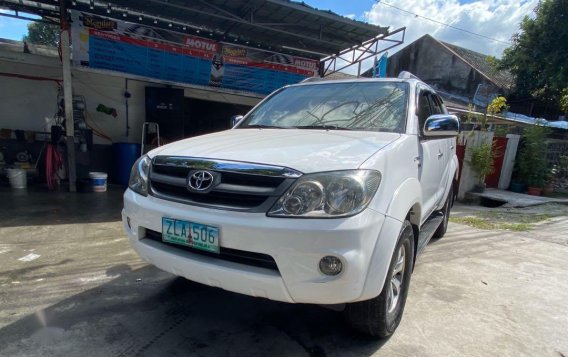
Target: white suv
324,193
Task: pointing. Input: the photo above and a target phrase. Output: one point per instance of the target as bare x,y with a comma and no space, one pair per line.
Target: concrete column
509,161
68,97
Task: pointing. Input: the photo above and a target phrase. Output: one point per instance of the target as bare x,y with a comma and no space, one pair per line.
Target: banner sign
380,67
103,43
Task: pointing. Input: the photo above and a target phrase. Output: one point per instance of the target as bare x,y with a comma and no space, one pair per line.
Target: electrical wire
33,78
94,127
444,24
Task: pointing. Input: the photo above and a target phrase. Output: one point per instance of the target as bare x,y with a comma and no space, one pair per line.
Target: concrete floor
70,285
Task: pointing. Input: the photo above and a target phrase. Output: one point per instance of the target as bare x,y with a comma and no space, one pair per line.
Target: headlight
328,194
138,181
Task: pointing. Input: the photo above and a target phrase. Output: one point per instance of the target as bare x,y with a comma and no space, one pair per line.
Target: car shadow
149,312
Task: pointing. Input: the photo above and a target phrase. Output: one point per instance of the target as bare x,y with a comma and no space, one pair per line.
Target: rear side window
424,109
437,105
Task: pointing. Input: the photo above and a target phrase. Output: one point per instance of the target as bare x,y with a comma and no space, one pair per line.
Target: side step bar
428,229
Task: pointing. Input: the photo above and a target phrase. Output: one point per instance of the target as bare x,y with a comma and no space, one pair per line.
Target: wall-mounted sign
120,46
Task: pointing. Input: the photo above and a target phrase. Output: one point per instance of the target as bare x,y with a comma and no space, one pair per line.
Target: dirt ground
534,221
70,285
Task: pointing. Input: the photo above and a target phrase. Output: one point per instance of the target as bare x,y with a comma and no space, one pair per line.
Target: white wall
25,103
471,139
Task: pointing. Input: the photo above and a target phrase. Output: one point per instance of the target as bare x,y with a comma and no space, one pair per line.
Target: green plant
470,115
532,157
564,101
558,171
481,161
563,166
501,130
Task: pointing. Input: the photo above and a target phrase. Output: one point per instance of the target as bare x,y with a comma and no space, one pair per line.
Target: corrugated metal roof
281,25
480,62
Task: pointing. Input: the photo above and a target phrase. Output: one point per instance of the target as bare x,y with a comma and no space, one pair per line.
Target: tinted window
436,104
424,110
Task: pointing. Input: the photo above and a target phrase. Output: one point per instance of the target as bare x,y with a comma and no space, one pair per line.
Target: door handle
440,154
451,147
417,161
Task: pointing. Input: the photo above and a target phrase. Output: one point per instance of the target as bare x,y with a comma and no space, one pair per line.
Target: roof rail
312,79
407,75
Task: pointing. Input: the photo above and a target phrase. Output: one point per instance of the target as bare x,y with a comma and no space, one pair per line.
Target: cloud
498,19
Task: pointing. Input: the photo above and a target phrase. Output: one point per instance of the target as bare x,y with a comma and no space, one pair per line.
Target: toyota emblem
200,181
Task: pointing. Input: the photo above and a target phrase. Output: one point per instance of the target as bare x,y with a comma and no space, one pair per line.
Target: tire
380,316
443,227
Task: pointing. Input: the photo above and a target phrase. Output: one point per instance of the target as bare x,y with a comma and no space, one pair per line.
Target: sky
12,29
498,19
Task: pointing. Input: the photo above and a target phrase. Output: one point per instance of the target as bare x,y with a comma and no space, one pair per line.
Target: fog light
330,265
128,222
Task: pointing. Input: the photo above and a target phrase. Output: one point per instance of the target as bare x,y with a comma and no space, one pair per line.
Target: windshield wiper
322,126
263,126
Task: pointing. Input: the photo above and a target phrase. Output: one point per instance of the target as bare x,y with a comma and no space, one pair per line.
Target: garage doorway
204,116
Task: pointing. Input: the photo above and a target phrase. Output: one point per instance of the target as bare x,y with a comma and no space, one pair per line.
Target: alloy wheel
397,277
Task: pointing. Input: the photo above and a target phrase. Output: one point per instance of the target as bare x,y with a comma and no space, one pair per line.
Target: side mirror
235,119
441,125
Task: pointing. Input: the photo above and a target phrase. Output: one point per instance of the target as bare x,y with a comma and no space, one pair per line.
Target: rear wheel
446,212
379,317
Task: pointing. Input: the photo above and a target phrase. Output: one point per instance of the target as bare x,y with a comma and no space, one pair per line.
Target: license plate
191,234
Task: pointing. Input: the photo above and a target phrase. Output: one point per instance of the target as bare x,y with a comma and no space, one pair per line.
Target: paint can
98,181
18,178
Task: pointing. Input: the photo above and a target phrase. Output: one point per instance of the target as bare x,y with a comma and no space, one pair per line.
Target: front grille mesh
218,199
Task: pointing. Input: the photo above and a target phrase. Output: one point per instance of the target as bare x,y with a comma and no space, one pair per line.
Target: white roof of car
315,81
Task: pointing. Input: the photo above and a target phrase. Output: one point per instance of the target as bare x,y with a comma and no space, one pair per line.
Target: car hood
300,149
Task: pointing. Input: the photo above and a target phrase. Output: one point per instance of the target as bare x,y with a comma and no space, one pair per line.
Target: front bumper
297,245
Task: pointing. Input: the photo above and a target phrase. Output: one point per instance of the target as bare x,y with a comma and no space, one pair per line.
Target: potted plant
532,158
548,188
481,162
556,175
517,185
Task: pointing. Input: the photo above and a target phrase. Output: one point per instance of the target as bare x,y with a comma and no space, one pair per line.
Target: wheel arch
407,199
405,204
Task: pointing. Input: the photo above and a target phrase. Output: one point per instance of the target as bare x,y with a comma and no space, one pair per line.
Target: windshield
374,106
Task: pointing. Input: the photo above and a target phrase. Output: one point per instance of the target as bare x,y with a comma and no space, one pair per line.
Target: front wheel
380,316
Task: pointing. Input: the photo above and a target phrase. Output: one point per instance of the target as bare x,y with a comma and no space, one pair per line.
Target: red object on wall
499,147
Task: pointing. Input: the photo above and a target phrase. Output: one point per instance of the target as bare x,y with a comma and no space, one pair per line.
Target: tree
564,101
538,55
40,33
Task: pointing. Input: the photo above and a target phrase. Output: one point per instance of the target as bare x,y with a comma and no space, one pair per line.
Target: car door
430,170
446,147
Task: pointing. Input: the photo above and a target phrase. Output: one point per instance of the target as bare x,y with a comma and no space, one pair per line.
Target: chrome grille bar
243,186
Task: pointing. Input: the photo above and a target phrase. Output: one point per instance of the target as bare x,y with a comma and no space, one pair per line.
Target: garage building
185,68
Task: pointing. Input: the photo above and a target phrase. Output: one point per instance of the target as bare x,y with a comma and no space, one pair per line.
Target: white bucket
98,181
17,178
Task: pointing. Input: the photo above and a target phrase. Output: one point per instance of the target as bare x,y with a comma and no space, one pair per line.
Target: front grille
238,186
227,254
218,199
